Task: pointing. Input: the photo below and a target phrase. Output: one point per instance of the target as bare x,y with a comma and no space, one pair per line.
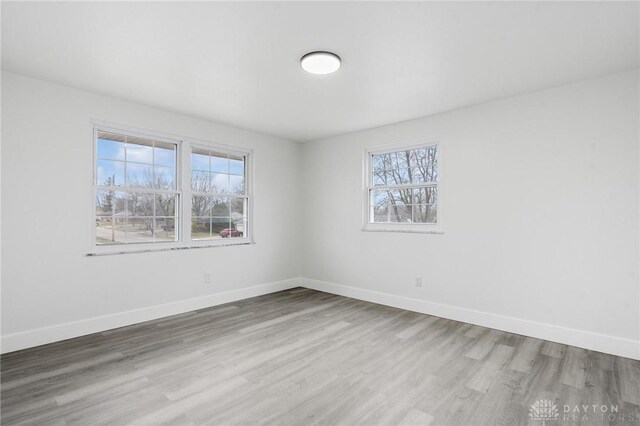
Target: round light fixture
320,62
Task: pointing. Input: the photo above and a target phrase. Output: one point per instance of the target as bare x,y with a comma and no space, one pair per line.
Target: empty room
320,213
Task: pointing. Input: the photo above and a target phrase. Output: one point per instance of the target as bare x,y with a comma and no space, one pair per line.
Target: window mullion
186,199
136,189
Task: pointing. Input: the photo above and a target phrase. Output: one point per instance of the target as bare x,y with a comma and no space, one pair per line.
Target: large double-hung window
218,194
164,192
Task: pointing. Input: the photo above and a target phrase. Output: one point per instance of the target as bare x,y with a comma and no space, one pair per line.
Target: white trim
135,131
40,336
367,183
217,243
407,229
583,339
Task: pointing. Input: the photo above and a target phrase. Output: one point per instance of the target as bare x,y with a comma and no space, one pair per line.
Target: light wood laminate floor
302,357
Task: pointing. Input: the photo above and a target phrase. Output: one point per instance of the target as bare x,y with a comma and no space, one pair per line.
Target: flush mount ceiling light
320,62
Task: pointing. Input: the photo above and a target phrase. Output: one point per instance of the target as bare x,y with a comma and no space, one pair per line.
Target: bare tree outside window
146,193
136,195
404,186
219,200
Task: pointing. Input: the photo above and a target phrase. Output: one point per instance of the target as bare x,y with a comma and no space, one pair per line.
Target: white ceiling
238,63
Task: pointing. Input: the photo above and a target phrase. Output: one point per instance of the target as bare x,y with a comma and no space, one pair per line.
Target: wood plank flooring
302,357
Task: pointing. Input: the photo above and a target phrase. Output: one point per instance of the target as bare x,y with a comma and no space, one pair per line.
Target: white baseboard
583,339
54,333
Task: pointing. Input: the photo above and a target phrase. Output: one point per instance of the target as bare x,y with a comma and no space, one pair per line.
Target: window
402,189
136,195
219,199
146,196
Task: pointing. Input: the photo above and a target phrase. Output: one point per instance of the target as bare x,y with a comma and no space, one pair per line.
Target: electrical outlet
418,281
207,277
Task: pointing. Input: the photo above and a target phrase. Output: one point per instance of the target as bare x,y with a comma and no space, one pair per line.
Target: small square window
402,189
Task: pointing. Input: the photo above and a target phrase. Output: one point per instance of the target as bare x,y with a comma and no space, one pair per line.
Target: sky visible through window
138,196
218,203
139,163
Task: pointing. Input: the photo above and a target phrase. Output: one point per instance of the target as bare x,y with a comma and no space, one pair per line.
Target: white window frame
183,189
245,239
424,228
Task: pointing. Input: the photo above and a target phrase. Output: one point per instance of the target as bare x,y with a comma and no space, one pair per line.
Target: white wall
541,217
50,289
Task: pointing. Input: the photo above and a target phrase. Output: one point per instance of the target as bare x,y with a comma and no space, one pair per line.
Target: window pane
139,204
200,181
140,230
238,229
226,172
392,213
139,175
110,203
110,231
219,182
238,218
428,173
380,214
219,163
432,154
380,198
399,196
236,165
165,177
164,154
201,206
413,157
391,205
419,174
391,197
111,150
236,184
220,206
405,167
220,224
403,158
377,163
199,161
379,177
392,161
399,213
110,173
384,162
165,229
425,213
389,177
139,152
401,176
200,228
166,204
425,195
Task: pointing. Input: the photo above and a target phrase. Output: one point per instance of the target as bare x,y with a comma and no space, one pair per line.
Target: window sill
408,229
115,250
